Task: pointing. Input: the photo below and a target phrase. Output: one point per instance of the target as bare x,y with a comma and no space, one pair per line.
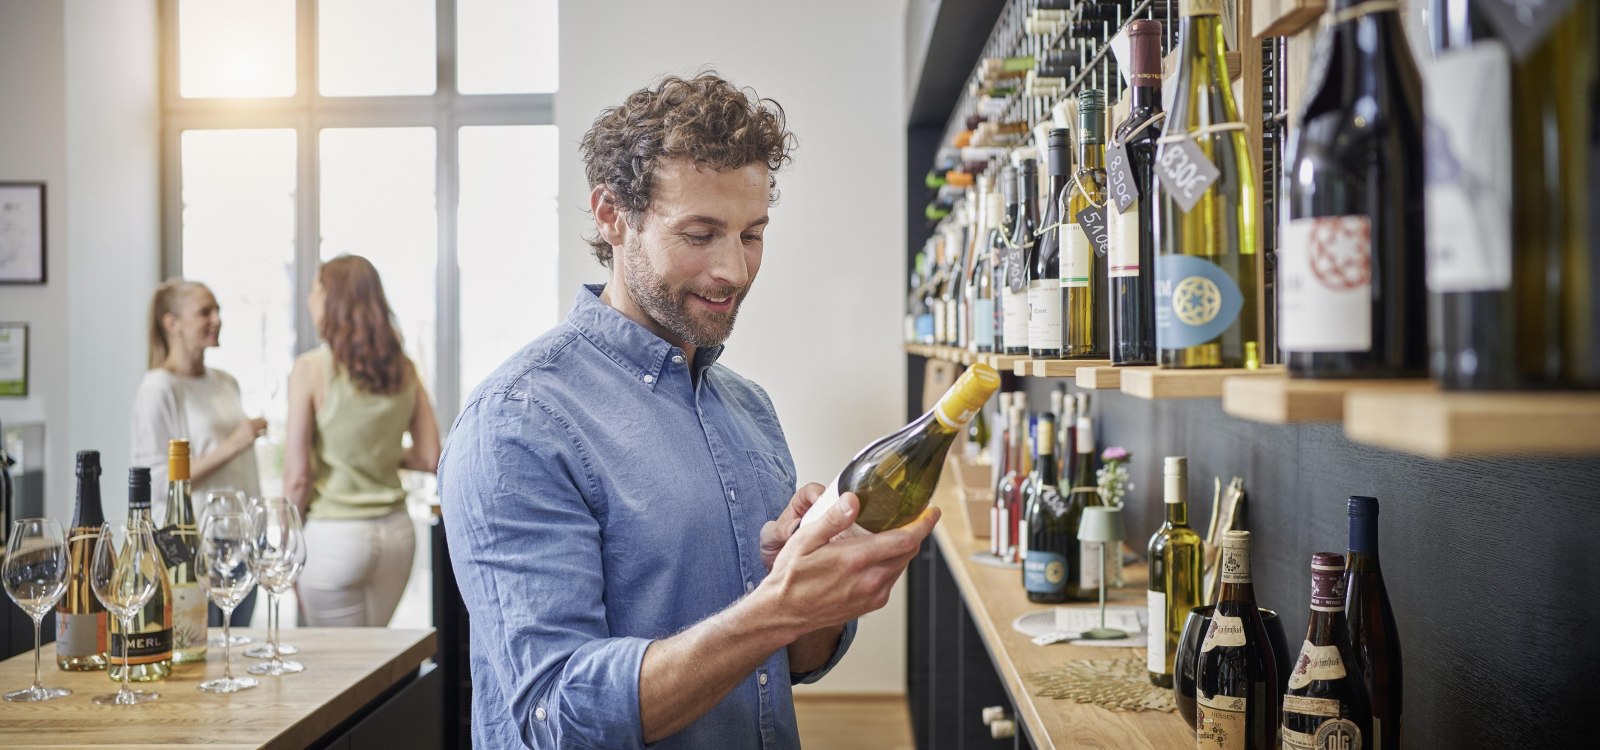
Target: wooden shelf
1284,400
1450,425
1103,377
994,597
1160,383
946,353
1063,368
1001,362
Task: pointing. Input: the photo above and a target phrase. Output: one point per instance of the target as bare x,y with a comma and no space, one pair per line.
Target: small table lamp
1102,525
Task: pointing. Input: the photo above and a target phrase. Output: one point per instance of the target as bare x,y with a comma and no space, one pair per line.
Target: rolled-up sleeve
845,638
521,511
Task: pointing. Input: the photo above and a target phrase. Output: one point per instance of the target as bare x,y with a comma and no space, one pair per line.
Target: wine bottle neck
1364,536
1178,513
89,513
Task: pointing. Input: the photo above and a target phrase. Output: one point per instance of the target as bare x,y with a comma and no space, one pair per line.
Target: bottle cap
1236,539
1327,581
88,464
177,460
1360,505
971,391
139,487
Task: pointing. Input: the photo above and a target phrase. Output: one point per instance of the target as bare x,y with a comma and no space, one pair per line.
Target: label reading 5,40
1185,172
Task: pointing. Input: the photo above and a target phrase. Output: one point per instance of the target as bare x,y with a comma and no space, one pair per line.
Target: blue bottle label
1196,301
983,322
1044,572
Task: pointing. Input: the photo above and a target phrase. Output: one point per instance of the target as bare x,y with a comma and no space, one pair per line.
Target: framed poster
22,245
13,359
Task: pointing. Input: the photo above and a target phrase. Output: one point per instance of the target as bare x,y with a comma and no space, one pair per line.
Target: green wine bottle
1174,574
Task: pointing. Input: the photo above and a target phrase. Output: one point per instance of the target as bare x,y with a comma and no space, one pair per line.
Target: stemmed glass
126,571
277,648
35,574
226,542
278,557
223,501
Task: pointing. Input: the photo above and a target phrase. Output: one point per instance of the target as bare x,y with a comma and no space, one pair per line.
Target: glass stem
37,623
272,626
227,644
127,629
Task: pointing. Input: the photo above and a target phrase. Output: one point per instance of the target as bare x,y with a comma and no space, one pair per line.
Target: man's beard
669,308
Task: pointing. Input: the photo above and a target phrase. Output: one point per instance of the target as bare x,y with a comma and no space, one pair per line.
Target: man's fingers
829,524
802,501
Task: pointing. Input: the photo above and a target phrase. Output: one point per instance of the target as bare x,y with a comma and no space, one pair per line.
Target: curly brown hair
359,327
704,118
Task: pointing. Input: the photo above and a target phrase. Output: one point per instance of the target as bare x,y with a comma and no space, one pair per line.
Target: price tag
1524,24
1185,172
1120,183
172,545
1016,271
1122,50
1093,221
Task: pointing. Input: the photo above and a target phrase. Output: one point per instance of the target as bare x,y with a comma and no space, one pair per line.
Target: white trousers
356,569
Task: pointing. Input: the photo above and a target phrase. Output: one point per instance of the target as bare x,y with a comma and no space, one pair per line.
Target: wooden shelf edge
1288,400
1161,383
1456,425
1104,377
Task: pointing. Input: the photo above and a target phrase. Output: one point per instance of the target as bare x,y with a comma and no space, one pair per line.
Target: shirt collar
631,346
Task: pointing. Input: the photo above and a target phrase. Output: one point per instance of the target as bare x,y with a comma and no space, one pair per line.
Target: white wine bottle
894,477
80,617
1174,589
148,653
178,538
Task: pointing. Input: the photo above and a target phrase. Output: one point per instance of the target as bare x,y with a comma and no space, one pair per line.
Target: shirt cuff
595,700
806,678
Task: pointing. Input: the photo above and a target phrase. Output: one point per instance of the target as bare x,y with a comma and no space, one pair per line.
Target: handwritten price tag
1093,221
1119,175
1524,23
1185,172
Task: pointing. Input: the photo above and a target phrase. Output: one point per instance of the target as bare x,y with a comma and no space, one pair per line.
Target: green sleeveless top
357,447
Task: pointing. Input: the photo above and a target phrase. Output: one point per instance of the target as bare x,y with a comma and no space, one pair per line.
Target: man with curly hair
621,509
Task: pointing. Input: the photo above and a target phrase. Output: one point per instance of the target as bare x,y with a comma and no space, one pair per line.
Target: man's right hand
821,584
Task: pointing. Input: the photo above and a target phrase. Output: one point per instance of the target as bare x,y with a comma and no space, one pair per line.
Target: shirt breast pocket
775,480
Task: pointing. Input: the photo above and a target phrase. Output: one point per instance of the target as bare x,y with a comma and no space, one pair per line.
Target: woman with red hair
351,401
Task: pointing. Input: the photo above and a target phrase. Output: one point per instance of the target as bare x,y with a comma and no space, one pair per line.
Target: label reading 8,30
1185,172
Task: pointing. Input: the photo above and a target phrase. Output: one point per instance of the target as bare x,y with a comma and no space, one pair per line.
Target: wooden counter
994,597
346,670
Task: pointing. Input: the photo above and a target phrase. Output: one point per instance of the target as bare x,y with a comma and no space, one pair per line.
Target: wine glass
278,557
125,572
35,574
277,648
226,544
224,500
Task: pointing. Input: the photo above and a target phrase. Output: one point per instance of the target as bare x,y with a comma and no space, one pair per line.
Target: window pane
240,48
506,46
238,239
507,243
376,47
378,202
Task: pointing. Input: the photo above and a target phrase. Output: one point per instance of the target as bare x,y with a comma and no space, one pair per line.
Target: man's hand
776,533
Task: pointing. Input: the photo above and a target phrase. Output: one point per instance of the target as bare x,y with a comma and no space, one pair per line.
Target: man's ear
608,219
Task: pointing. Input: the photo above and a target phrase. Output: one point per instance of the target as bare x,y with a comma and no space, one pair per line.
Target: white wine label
188,616
1075,265
983,322
1316,663
1088,566
1196,301
1293,740
1325,284
1219,722
1337,734
1044,315
1016,318
1306,706
1093,222
1021,542
80,634
1223,631
1235,564
1467,202
1125,244
1156,632
1185,171
829,498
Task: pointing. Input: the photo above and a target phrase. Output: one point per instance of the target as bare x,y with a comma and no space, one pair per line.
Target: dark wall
1491,565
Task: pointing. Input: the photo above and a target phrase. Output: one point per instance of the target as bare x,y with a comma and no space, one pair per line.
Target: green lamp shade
1101,524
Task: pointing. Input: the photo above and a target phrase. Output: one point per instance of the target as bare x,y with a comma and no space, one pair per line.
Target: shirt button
762,679
539,713
677,359
749,587
649,378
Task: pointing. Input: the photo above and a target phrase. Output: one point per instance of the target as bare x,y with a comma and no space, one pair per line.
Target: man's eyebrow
716,222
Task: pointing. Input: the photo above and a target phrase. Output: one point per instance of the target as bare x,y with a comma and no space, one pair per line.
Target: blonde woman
181,398
351,401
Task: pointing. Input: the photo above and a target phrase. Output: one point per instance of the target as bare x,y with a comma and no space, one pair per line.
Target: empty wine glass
278,557
35,574
277,648
226,541
223,500
125,572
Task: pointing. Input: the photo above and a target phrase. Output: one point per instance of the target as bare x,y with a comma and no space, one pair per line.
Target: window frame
308,112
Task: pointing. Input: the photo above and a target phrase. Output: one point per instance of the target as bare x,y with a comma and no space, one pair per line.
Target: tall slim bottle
1131,265
1175,564
1020,249
81,619
1208,270
1083,560
1000,540
1045,309
1011,486
982,285
1374,635
1088,334
1326,706
1000,254
179,539
1353,299
1236,676
1044,572
149,650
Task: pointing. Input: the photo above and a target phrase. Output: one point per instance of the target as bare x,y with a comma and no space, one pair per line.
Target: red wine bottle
1374,635
1327,706
1236,677
1132,261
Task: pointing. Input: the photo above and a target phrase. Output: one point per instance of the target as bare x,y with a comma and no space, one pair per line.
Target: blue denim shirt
596,497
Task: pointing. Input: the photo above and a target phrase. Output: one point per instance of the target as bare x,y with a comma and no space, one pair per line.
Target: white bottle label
1224,631
1316,663
1044,315
1124,243
1075,265
188,616
983,322
1468,197
1089,560
1022,541
829,498
1156,633
994,530
1326,283
1219,722
1016,318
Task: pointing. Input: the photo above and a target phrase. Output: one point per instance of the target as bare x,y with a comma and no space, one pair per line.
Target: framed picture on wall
13,359
22,245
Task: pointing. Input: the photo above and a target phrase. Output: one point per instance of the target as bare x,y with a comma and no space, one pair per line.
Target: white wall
821,330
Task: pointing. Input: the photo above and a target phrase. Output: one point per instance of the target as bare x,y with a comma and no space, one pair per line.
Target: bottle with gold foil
148,653
179,538
1088,335
81,619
